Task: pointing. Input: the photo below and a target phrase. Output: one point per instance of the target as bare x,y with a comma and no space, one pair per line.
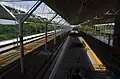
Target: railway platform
35,61
82,57
77,64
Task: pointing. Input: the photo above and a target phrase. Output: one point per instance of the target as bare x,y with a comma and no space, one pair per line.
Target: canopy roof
4,14
79,11
16,8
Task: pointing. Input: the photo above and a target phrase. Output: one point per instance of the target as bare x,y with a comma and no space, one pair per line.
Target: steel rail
27,40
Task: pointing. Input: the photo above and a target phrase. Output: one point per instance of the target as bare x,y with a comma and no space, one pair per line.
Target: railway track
13,54
44,66
49,62
10,44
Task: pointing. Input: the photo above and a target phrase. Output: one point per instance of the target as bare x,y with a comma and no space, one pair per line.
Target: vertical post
54,34
85,29
109,35
116,40
17,42
17,35
60,32
21,45
93,30
100,33
104,32
46,28
21,21
111,28
109,39
46,37
111,31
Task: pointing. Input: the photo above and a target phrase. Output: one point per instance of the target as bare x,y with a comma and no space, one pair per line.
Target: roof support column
62,31
109,35
21,22
60,27
35,6
116,39
55,34
104,33
21,45
46,28
19,18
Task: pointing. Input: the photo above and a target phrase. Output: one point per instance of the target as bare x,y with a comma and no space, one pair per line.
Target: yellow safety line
99,63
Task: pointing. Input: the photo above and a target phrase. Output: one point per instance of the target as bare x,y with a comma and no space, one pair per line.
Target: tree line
29,28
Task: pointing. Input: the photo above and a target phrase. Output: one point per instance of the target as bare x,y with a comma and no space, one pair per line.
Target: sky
2,21
26,5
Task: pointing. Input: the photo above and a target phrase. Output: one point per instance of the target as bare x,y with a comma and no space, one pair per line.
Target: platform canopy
4,14
79,11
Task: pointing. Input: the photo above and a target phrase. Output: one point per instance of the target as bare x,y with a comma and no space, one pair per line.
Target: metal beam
35,6
41,19
55,34
62,28
52,18
9,12
55,30
46,37
21,45
21,20
20,36
59,21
